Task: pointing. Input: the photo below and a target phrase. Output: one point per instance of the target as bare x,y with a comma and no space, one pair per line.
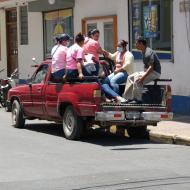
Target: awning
44,5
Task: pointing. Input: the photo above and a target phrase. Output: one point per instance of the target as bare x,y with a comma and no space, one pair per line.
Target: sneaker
121,100
135,101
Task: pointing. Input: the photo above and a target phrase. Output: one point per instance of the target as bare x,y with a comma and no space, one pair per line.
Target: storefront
152,19
57,19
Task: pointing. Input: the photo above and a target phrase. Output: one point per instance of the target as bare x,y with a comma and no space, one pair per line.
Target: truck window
40,75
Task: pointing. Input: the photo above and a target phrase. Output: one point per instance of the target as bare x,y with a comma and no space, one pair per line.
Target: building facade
28,28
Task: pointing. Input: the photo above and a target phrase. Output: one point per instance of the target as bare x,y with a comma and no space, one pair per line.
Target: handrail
161,80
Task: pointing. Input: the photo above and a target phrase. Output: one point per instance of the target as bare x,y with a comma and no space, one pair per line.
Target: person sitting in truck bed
58,54
152,70
123,67
92,46
75,58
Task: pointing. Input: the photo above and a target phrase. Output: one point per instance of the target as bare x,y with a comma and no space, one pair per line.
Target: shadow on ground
95,136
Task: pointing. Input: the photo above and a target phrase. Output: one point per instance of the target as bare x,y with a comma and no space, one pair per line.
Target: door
107,25
12,42
37,91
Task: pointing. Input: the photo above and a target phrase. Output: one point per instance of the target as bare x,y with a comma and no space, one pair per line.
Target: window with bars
23,25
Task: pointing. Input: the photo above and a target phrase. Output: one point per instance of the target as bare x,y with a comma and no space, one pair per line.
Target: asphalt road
39,158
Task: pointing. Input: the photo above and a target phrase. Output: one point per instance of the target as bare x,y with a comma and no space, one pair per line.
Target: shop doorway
107,25
12,41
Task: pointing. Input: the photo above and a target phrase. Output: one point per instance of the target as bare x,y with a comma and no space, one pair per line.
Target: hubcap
14,114
70,122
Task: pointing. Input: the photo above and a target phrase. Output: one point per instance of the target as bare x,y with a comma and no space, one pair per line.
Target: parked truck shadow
94,136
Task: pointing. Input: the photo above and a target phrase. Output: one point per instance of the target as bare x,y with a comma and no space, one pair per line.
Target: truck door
36,91
51,98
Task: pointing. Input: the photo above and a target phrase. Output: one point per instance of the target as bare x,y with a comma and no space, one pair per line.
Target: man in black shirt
152,71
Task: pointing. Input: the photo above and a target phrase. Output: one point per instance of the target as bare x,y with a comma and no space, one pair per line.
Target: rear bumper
132,118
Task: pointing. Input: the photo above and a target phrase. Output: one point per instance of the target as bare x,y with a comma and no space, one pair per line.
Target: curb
156,137
169,139
182,140
161,138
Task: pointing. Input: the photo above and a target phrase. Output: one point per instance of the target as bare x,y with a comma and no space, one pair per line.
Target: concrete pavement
39,158
172,132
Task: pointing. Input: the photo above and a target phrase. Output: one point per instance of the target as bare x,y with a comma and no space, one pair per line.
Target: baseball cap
63,37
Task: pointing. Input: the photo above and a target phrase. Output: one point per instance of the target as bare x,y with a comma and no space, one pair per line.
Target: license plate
132,115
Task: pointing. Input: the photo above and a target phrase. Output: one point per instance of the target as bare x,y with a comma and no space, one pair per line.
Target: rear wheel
138,132
18,120
72,124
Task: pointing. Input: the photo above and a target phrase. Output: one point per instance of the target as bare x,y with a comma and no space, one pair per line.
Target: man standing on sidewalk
152,70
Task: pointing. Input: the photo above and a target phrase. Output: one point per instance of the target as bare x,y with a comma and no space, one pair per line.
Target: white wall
181,67
34,47
25,52
93,8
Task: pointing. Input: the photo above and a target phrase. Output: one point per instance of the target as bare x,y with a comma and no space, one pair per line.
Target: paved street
39,158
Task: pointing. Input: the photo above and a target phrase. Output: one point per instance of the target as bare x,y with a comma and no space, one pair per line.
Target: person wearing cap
75,59
152,70
123,67
58,54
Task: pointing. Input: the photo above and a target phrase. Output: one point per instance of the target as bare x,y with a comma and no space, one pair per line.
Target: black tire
18,120
138,132
72,124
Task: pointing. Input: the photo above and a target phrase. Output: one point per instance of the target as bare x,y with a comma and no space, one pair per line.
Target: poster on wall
150,21
136,20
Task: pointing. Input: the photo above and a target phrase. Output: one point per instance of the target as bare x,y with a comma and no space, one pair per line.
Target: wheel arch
62,106
13,98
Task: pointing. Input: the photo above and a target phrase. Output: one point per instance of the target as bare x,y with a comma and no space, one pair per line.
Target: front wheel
18,120
72,124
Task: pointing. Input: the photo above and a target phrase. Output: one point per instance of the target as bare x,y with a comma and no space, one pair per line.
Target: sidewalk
172,132
176,131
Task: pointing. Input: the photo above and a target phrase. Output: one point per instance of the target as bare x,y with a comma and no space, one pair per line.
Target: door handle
39,89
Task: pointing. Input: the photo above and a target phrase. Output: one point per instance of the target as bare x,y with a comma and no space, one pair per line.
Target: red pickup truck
79,104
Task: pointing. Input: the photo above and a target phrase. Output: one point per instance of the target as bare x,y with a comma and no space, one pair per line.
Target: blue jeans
72,73
58,75
110,85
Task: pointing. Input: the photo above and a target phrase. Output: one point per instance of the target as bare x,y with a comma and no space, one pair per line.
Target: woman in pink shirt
92,46
58,54
75,58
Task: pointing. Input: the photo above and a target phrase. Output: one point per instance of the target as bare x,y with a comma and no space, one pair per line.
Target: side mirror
34,60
